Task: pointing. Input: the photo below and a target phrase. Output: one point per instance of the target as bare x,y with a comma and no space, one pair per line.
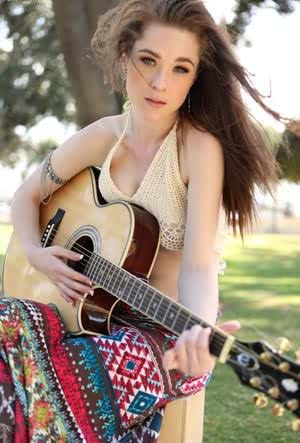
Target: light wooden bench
183,420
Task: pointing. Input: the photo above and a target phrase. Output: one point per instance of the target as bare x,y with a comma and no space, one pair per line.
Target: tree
290,163
48,70
244,10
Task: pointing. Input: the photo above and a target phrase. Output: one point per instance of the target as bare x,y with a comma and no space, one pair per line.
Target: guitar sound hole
84,245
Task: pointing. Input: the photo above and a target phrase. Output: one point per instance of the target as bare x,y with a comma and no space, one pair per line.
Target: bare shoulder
100,136
194,147
87,147
202,146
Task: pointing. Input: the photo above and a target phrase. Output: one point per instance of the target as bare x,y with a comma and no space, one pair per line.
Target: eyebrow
179,59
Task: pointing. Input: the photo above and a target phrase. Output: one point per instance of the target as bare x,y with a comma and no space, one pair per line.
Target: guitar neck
149,301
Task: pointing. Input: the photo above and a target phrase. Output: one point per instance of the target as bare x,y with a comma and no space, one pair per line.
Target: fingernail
91,292
80,256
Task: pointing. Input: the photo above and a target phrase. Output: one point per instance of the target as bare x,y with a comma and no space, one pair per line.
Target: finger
230,326
181,352
170,360
64,295
70,293
193,349
58,251
78,287
66,271
202,344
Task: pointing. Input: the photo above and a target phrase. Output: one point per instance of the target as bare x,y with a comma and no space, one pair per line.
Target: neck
148,133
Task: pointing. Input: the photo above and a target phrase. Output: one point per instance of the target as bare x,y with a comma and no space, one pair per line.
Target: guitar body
124,234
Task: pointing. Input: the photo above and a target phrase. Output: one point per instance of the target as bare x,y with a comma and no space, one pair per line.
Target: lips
155,100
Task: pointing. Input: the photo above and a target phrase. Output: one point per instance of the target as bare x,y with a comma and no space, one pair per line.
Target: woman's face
163,65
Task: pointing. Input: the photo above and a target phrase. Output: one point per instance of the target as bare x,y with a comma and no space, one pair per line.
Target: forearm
25,220
199,292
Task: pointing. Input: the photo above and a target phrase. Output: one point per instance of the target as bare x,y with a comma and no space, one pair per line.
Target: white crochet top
163,193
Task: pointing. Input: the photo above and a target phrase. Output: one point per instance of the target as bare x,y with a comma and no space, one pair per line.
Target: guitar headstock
266,370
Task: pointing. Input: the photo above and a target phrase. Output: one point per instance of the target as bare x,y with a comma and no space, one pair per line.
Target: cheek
182,91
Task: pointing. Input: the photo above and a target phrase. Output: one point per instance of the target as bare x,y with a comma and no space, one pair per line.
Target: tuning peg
295,425
282,344
277,410
260,400
266,357
297,355
255,382
293,404
284,366
274,392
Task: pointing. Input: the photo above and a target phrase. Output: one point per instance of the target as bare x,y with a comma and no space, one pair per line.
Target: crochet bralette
163,193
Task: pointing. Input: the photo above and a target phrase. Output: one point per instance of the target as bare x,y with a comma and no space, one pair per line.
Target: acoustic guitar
119,243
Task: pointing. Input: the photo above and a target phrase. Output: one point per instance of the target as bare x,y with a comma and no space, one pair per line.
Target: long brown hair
215,97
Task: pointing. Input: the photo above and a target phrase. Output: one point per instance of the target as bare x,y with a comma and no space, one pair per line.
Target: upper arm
88,146
205,166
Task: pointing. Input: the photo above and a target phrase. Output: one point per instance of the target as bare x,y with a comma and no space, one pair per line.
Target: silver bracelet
51,174
47,171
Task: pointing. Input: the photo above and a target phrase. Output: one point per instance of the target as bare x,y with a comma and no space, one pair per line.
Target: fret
139,295
154,305
146,301
101,272
216,343
152,294
110,276
163,308
181,321
122,291
129,283
117,282
172,315
193,321
91,266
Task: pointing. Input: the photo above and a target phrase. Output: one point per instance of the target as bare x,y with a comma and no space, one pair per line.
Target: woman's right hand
50,261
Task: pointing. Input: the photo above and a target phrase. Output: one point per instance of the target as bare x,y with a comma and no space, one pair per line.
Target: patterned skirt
55,387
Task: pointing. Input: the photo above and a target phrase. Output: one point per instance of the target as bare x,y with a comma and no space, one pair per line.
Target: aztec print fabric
55,387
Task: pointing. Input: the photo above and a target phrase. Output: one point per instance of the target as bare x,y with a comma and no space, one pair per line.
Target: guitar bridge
51,228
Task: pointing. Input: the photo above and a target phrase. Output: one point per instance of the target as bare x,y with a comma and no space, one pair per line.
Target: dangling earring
189,102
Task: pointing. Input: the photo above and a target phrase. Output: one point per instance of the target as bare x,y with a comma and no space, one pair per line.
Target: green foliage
290,161
244,10
33,78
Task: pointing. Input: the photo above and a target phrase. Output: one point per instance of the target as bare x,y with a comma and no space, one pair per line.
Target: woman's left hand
190,354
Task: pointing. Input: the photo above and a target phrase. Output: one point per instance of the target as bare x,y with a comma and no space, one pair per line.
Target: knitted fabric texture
163,193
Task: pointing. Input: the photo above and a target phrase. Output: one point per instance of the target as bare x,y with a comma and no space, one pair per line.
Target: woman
187,151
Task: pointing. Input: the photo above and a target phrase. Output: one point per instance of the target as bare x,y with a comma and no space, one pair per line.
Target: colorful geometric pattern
59,388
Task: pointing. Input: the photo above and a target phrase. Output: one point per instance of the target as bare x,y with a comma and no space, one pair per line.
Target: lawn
261,288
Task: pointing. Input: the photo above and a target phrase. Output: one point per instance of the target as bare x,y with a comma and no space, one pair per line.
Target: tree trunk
76,22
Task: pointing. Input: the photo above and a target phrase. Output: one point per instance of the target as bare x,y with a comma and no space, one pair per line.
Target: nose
159,81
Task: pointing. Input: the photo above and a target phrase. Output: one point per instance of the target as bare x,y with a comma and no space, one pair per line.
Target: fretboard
147,300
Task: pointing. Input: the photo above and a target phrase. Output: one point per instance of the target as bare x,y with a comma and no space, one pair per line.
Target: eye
145,59
184,70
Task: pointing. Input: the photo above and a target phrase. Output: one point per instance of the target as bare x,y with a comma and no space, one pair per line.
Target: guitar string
80,248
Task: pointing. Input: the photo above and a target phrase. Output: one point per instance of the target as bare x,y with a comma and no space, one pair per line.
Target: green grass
261,288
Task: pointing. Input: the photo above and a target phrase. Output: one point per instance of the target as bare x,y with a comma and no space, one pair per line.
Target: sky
272,59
